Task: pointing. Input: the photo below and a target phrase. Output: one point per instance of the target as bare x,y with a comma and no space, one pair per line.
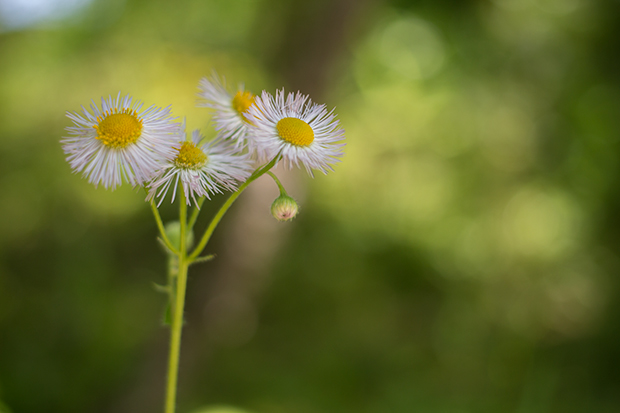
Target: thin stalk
162,231
224,208
277,181
177,312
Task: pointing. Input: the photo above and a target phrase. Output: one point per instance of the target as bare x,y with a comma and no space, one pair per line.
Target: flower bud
284,208
173,231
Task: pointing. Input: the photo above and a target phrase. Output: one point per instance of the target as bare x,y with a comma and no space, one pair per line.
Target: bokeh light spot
412,47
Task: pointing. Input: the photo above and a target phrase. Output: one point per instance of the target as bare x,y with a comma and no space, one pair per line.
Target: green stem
181,278
177,311
218,217
162,231
275,178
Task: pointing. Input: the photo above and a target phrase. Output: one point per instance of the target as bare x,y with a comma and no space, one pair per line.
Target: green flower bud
173,231
284,208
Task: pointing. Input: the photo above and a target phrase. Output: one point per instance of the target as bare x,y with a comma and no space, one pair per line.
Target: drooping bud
284,208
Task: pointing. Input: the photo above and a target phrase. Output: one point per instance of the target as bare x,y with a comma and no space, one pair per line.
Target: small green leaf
203,259
161,288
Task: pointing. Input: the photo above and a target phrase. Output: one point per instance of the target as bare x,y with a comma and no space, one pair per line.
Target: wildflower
202,169
229,109
304,133
284,208
119,141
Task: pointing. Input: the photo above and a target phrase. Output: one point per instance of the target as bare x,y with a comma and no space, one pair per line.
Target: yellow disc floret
118,128
242,101
190,157
295,131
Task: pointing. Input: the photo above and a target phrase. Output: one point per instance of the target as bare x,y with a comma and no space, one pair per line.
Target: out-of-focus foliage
462,258
220,409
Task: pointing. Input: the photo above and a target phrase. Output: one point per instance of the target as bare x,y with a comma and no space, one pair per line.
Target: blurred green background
462,258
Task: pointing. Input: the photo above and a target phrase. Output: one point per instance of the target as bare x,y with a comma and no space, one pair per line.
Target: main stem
181,279
177,311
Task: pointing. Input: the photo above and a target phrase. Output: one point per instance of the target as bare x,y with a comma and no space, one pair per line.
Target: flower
229,109
202,169
301,131
119,141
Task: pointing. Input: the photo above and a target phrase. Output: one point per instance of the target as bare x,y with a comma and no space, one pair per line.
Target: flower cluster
121,141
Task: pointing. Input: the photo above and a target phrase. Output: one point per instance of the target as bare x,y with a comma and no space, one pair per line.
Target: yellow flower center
118,129
295,131
242,101
190,157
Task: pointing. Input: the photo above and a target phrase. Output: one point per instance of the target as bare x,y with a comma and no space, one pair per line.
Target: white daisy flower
229,109
301,131
202,169
119,141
